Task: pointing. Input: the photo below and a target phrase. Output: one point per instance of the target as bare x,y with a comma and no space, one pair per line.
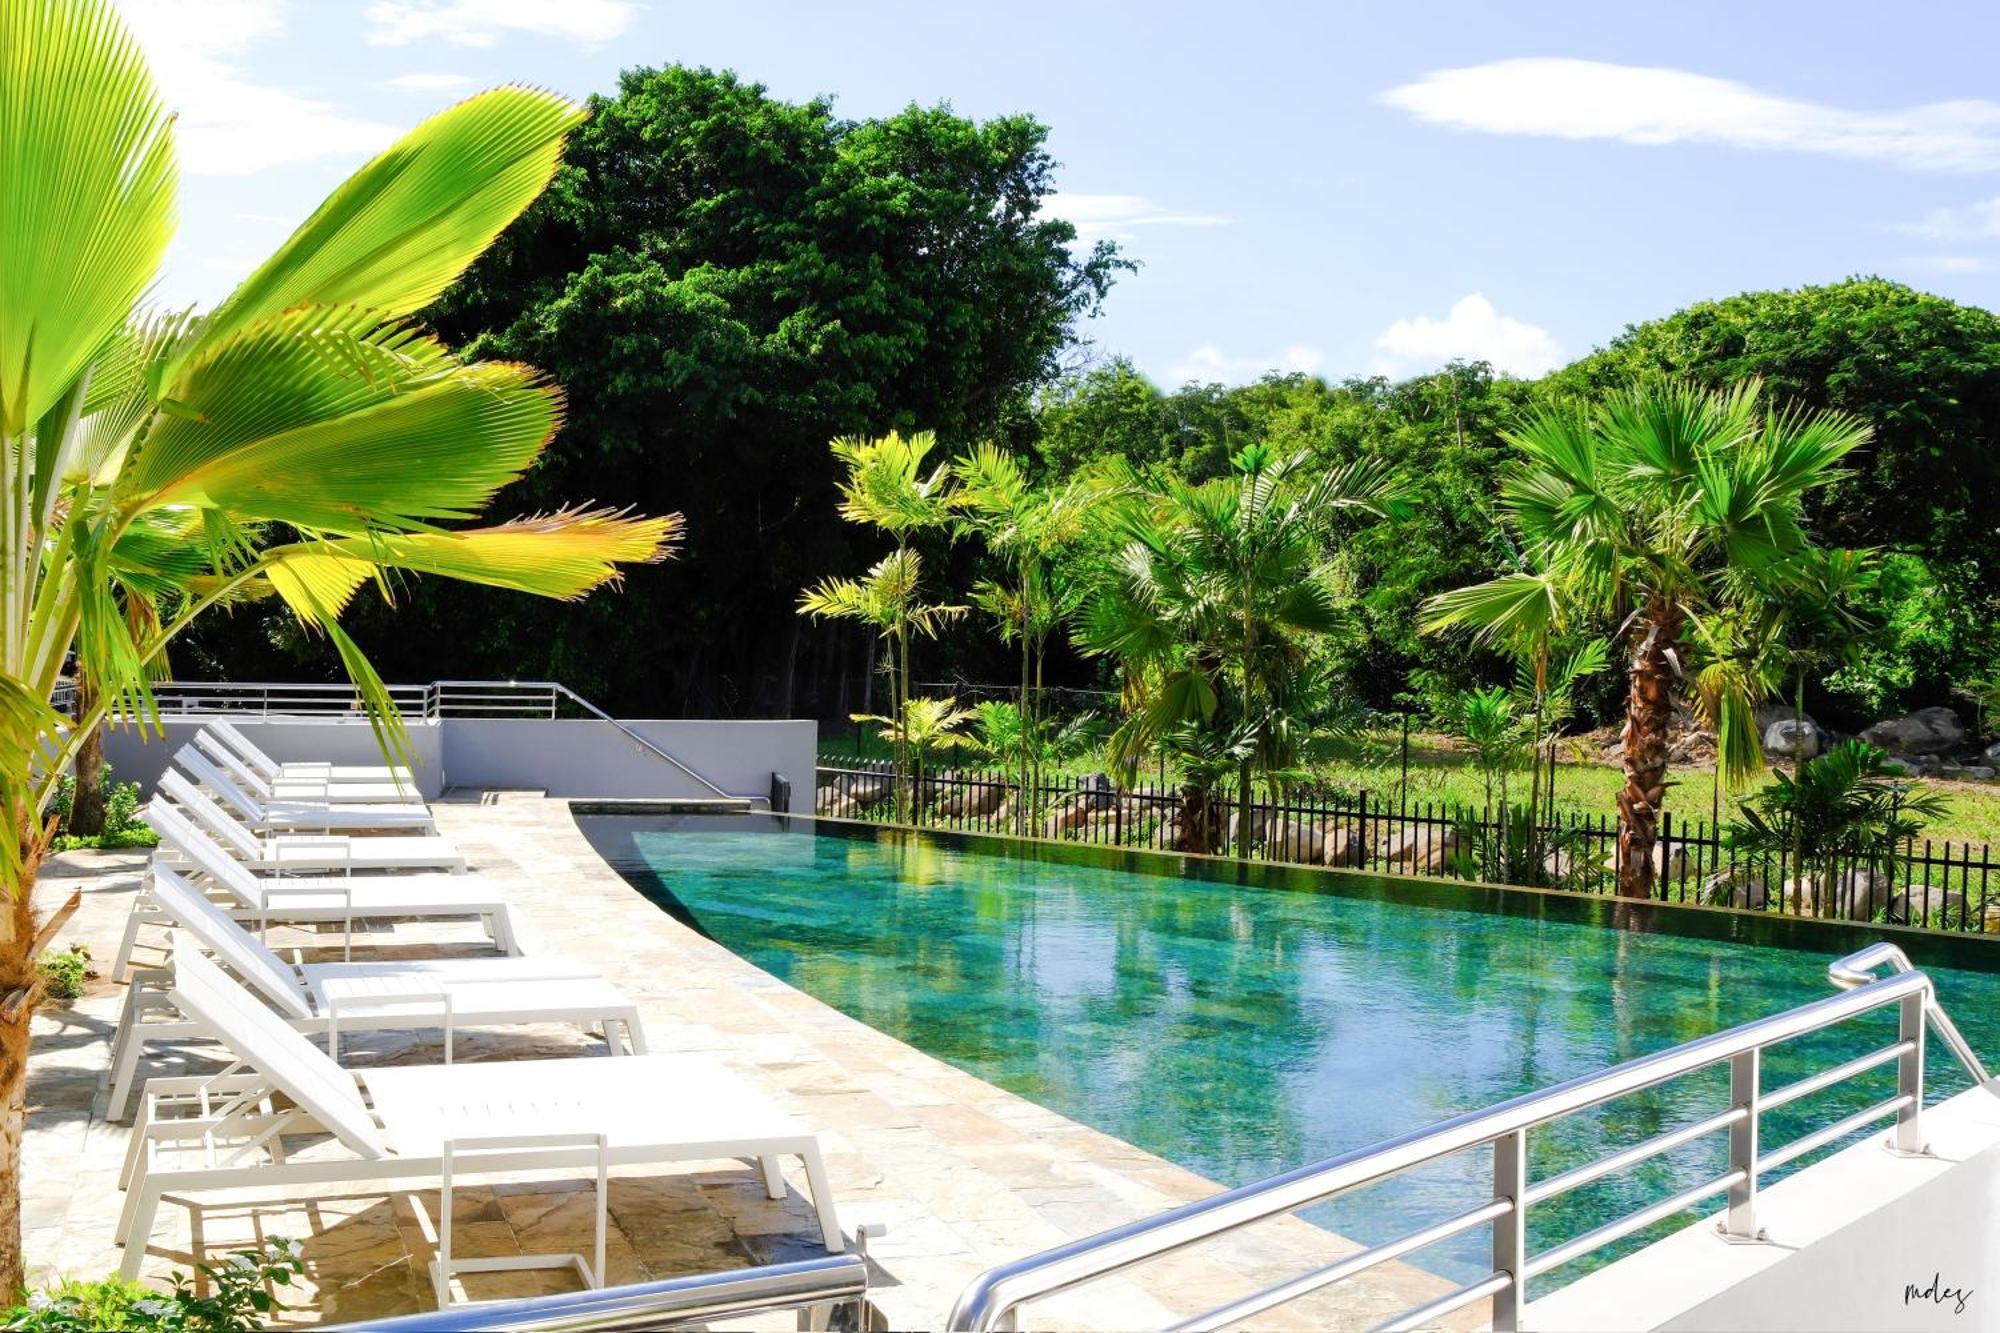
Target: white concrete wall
1865,1240
564,757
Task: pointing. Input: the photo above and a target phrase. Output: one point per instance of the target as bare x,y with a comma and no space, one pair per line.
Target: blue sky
1336,188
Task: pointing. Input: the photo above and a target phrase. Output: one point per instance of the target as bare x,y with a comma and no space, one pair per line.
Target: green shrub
122,825
64,971
237,1301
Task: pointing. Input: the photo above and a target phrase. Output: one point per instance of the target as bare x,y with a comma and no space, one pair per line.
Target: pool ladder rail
994,1299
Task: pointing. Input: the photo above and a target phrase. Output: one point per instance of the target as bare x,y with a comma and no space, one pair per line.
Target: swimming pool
1243,1028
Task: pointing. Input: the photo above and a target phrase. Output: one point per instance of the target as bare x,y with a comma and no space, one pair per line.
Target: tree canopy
723,281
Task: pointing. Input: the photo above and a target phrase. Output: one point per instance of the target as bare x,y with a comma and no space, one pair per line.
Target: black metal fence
1939,885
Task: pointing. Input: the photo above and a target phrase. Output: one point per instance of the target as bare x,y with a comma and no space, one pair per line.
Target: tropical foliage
1848,809
303,440
1660,509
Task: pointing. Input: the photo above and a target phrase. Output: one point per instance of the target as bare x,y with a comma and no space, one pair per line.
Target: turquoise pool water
1240,1030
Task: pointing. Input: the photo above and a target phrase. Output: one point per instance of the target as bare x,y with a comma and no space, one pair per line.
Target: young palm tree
1215,598
926,725
1654,509
888,598
886,487
1025,526
300,441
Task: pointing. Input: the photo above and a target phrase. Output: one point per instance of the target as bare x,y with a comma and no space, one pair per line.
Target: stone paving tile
966,1175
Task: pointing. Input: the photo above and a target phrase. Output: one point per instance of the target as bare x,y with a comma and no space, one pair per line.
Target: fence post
1510,1230
1740,1223
1909,1132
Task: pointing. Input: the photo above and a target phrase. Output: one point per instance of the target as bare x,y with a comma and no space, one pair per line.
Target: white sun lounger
273,770
311,792
288,853
327,898
299,816
447,993
411,1126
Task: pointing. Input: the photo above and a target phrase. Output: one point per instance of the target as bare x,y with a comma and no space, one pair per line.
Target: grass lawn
1439,774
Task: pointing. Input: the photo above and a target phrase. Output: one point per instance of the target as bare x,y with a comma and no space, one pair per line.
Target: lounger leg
136,1228
635,1035
133,921
124,1064
774,1177
822,1198
135,1146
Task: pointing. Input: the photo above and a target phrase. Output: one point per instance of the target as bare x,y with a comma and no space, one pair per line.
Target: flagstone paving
964,1174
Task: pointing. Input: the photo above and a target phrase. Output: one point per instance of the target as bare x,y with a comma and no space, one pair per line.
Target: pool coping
1971,951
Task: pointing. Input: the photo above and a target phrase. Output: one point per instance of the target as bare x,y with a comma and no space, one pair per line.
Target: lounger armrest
343,892
414,997
345,846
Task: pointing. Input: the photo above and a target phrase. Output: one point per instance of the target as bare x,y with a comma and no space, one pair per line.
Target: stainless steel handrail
993,1298
1858,969
559,690
837,1279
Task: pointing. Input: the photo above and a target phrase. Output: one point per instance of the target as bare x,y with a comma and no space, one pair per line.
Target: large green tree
724,281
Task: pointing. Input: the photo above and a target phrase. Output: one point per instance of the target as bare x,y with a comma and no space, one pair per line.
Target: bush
64,971
237,1301
122,825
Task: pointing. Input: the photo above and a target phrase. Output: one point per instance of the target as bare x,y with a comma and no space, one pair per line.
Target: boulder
1856,895
1785,739
1991,755
1066,819
1345,848
1424,848
1259,822
1669,865
1925,904
1099,790
1297,840
1926,731
974,800
861,791
1739,888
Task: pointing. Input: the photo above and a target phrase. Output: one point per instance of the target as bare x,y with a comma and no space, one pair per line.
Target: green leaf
399,230
86,193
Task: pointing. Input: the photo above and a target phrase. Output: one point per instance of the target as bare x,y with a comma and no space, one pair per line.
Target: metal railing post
1510,1230
1745,1072
1909,1133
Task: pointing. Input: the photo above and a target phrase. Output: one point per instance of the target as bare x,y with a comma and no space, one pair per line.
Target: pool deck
965,1174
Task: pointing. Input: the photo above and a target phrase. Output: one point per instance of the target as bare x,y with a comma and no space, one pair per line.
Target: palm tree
300,441
1215,599
1654,509
925,725
886,487
887,598
1025,526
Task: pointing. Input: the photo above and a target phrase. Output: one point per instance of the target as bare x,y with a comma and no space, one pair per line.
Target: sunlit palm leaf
399,230
562,555
86,193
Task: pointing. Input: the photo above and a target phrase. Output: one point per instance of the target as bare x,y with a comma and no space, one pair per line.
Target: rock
1740,888
974,800
1297,840
1784,739
1421,848
1345,848
1991,754
1099,790
1926,731
1668,866
1067,819
1857,895
1259,821
861,791
1924,904
1981,772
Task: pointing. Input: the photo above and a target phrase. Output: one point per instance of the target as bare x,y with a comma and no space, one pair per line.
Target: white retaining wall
581,757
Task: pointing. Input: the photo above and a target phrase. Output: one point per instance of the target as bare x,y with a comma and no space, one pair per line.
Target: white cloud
481,22
1588,99
1472,331
1209,365
1948,263
1113,216
431,83
229,124
1973,220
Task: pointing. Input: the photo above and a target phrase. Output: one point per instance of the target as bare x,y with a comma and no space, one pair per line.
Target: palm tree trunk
1649,711
86,802
1243,837
1027,751
17,1008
